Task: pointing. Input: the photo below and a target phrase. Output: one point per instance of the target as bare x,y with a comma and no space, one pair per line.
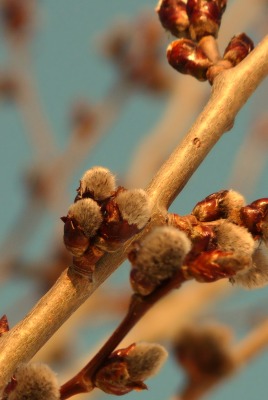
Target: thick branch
231,90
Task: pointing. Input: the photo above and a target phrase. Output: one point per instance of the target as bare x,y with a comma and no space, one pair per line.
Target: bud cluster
196,23
226,237
230,205
102,217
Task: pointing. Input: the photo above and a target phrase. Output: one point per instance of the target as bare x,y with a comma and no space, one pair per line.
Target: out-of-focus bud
9,86
205,17
204,353
35,382
17,16
238,48
173,16
83,119
188,58
157,258
257,275
222,204
126,369
98,183
135,47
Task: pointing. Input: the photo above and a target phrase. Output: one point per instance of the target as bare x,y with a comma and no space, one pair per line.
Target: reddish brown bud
173,16
74,238
210,208
210,266
203,238
124,215
126,369
254,216
238,48
4,327
114,229
205,17
222,204
188,58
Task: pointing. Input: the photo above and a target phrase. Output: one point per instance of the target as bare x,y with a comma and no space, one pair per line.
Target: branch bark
230,91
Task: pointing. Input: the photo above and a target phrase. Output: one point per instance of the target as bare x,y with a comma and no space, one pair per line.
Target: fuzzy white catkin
233,202
99,181
234,238
35,382
257,275
134,206
162,252
88,215
145,360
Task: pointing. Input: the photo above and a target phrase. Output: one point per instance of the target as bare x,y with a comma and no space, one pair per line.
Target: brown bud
203,238
238,48
182,222
205,17
204,352
212,265
222,204
124,215
254,216
83,119
74,238
4,327
114,229
16,16
173,16
188,58
210,209
114,378
126,369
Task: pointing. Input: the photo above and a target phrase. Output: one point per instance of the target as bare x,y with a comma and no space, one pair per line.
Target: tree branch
231,90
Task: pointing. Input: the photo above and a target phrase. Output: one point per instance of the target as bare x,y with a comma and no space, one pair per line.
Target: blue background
68,66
